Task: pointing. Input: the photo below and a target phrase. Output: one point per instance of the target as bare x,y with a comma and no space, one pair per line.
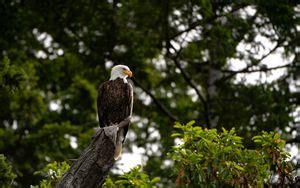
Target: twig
189,80
156,101
246,69
211,19
258,70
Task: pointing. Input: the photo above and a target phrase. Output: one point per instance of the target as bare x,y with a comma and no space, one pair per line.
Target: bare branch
246,69
156,101
93,165
293,141
257,70
211,19
189,80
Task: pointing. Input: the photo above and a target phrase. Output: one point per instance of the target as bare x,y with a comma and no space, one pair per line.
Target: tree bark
91,169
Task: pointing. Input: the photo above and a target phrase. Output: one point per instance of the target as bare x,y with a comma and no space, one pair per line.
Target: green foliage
269,140
207,157
11,77
271,146
134,178
7,175
52,174
58,52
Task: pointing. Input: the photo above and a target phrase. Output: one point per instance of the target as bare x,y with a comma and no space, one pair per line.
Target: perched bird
115,102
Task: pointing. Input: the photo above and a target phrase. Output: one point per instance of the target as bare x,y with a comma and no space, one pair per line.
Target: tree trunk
91,169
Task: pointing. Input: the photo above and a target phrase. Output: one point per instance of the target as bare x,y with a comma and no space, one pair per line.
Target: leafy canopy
208,157
188,58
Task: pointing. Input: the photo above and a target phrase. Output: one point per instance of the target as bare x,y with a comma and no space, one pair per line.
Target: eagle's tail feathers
118,151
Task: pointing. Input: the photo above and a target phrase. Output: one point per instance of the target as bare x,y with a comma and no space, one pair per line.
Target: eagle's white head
120,71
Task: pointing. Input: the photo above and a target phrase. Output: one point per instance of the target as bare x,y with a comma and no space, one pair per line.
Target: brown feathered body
114,103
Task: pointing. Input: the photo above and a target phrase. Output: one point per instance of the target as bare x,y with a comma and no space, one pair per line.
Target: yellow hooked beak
128,73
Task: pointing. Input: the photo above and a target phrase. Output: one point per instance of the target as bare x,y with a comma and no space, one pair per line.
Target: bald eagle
115,102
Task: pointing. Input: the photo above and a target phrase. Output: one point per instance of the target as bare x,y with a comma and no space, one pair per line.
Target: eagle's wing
129,105
100,106
114,105
123,131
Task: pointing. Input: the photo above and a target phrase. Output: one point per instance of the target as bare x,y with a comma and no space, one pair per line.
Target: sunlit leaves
134,178
52,174
269,140
219,158
6,172
11,77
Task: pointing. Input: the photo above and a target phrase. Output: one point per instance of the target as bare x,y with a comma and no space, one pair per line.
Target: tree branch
246,69
211,19
91,169
186,77
156,101
174,58
293,141
189,80
258,70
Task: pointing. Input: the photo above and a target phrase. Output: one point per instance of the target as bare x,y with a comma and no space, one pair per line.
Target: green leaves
11,77
134,178
52,173
269,140
219,158
272,147
7,175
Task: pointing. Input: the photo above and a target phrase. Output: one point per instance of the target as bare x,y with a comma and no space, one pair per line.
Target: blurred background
220,63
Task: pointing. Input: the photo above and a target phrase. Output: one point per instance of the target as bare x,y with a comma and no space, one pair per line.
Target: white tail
118,151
